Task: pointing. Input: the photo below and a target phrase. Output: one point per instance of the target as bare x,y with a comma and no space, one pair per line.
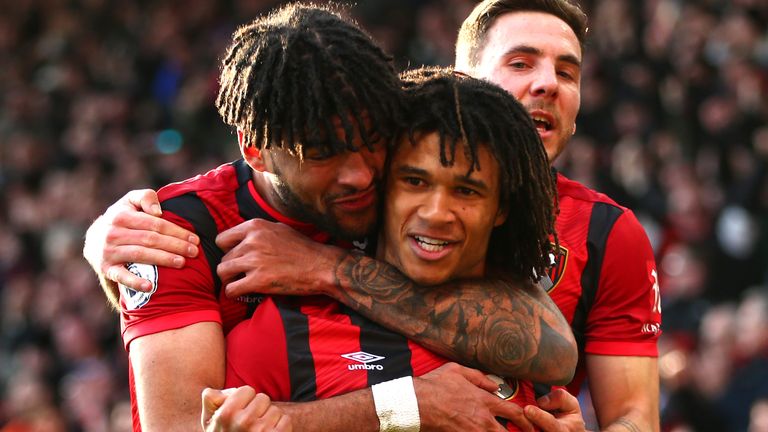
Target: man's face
338,193
536,57
437,220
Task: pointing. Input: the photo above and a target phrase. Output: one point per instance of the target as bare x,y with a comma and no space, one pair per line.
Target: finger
541,419
239,288
270,417
163,229
259,406
138,254
235,403
478,378
145,200
212,400
559,400
512,412
121,275
230,238
285,424
231,269
148,245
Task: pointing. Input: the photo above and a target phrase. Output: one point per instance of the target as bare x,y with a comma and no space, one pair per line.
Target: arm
622,331
450,398
171,369
511,329
131,230
625,392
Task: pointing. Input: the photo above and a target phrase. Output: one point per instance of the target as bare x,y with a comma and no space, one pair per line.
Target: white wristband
396,405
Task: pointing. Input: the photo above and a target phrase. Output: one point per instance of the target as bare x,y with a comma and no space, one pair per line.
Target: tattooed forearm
624,423
501,327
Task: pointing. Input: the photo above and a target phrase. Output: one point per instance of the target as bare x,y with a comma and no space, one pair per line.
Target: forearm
625,392
633,421
351,411
508,329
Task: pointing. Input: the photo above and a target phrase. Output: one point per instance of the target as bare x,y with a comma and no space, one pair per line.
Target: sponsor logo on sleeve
137,299
653,327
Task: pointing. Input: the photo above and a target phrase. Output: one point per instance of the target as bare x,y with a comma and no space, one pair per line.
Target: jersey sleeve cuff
168,322
623,348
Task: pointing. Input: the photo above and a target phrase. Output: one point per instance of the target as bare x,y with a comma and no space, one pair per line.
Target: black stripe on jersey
301,364
191,208
376,340
248,209
601,223
247,206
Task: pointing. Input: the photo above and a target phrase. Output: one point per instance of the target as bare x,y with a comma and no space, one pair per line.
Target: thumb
145,200
212,400
540,418
558,400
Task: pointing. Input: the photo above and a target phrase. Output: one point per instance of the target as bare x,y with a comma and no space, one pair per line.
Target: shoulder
599,216
226,177
568,189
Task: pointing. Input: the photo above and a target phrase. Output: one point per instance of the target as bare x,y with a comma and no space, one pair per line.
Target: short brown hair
474,30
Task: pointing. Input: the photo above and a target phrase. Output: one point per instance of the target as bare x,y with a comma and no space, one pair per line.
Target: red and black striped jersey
308,348
206,204
604,277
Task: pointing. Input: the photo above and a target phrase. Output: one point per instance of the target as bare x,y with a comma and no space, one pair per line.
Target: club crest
559,260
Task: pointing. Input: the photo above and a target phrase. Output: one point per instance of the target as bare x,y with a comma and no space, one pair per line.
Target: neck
264,182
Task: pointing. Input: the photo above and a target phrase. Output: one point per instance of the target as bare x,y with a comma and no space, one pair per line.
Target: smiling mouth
430,244
541,123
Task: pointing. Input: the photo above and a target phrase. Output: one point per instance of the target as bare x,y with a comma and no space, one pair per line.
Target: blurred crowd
98,97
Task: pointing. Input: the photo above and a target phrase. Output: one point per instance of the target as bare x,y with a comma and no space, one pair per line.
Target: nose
545,81
437,208
359,169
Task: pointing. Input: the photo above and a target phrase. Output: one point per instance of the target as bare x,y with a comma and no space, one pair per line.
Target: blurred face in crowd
437,219
337,192
536,57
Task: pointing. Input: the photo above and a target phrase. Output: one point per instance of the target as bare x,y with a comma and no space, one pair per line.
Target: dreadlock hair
470,113
289,74
474,29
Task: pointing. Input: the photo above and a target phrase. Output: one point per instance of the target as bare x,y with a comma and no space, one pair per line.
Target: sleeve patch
136,299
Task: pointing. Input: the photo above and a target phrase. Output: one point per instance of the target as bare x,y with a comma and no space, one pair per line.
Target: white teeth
430,244
539,119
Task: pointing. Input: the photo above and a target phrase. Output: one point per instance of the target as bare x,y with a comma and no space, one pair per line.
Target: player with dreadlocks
314,102
470,122
469,191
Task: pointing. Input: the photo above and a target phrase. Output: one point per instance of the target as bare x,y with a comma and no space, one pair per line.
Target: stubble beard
327,222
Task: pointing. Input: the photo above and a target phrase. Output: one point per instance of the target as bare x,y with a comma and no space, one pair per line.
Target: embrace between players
466,223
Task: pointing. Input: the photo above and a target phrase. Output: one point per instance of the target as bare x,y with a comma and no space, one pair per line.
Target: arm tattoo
501,327
628,424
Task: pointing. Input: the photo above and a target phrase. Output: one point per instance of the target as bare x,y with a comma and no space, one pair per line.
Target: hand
131,230
241,409
558,411
273,258
456,398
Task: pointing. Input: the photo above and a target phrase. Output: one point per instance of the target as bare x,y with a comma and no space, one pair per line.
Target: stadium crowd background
98,97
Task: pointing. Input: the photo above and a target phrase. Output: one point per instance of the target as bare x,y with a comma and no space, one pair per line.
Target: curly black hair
469,113
288,75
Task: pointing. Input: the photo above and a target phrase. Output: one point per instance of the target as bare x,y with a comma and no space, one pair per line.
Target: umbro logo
363,358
